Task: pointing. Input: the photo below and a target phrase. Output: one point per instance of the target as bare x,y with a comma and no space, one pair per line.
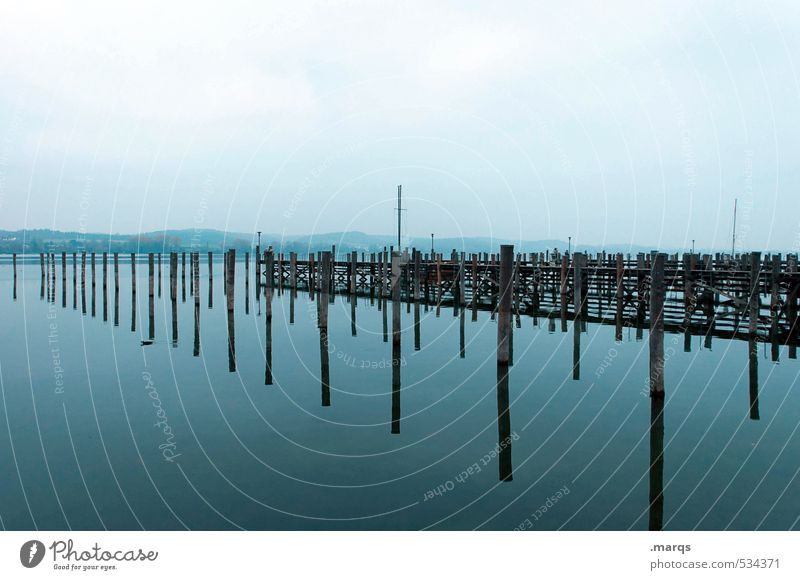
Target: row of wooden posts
501,277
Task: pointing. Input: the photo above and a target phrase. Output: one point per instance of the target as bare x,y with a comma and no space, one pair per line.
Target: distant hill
205,240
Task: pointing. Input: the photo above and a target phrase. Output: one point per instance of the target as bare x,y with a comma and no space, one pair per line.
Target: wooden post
791,302
461,281
258,272
293,271
269,258
353,271
151,295
475,282
173,276
417,273
396,334
191,274
577,283
197,280
173,295
504,329
230,273
74,281
83,272
311,274
94,284
105,273
754,302
325,289
268,340
247,282
183,276
14,291
775,306
657,294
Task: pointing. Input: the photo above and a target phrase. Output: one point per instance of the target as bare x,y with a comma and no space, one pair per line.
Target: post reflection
504,425
268,345
656,515
752,367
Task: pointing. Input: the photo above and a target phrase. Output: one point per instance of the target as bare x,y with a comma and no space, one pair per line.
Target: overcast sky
624,122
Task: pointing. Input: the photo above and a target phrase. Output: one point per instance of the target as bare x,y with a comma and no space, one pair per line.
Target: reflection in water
196,284
385,319
151,327
83,283
353,315
323,304
105,286
268,346
230,273
462,352
396,363
752,350
576,348
133,293
504,424
656,519
116,306
210,283
74,282
196,351
416,327
174,304
371,322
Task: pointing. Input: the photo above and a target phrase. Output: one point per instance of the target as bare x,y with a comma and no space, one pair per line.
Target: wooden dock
718,296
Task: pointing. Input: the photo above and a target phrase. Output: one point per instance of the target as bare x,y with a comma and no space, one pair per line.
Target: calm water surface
101,429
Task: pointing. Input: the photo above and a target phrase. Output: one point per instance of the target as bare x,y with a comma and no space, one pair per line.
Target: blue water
101,431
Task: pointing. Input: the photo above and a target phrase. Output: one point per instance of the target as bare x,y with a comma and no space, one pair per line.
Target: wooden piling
753,298
577,283
353,271
293,272
269,259
151,295
183,276
657,295
325,272
504,329
230,277
396,335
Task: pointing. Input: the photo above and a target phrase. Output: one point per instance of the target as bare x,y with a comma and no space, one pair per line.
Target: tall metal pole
431,246
399,212
733,241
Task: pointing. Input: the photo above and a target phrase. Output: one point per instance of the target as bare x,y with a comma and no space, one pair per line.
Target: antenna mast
733,240
399,213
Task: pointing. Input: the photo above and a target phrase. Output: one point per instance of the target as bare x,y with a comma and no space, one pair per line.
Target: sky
610,122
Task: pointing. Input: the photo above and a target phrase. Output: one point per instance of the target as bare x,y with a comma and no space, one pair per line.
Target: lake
103,427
